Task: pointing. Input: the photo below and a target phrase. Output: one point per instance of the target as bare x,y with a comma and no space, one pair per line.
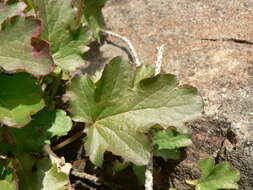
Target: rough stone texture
209,44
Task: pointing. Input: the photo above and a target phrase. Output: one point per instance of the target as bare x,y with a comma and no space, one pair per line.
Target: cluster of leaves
129,111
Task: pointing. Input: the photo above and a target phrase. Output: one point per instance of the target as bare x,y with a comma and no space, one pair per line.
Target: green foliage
44,125
42,46
67,44
167,143
50,177
6,176
18,102
215,177
45,177
7,11
93,15
21,49
124,104
139,171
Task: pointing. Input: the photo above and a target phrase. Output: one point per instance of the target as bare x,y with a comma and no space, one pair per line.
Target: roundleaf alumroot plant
131,111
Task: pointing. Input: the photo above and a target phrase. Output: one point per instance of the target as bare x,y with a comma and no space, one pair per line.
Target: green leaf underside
124,104
215,177
21,49
44,126
93,15
18,102
67,46
7,11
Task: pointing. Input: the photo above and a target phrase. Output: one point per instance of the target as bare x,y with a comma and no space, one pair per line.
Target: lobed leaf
21,49
44,126
215,177
18,102
45,177
67,44
124,104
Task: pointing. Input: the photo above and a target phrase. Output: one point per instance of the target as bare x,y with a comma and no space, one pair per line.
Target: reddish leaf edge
40,47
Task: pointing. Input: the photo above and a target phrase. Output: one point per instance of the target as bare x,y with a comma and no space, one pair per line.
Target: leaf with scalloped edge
7,11
124,104
67,44
215,177
21,49
20,97
44,125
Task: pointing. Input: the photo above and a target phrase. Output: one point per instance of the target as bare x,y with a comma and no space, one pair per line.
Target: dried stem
68,141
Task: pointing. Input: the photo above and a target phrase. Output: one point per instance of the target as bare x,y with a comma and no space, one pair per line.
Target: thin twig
68,141
128,42
87,176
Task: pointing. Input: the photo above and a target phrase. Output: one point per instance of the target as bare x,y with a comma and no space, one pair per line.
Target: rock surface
209,44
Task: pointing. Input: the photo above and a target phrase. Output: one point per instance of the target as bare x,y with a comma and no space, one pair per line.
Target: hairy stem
128,42
149,174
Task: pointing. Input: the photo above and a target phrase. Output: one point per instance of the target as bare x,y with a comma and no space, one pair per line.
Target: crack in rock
240,41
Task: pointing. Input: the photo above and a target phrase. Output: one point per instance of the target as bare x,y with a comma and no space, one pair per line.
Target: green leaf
67,46
21,49
119,166
174,154
167,143
7,11
6,176
44,126
124,104
171,139
215,177
20,97
40,175
93,15
51,178
5,185
139,171
70,57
